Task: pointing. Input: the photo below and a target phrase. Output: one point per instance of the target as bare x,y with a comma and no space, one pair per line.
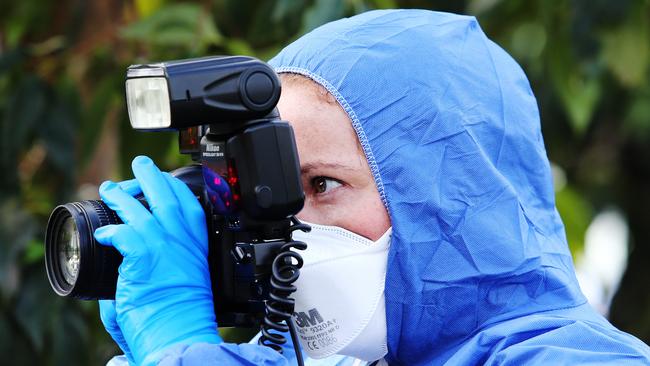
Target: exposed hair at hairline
321,92
298,79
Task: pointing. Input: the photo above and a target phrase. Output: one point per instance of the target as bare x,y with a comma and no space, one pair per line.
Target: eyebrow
308,167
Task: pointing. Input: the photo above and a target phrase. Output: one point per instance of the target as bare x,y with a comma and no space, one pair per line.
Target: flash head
204,91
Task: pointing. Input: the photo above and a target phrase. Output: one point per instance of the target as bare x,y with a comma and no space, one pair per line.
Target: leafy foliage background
64,128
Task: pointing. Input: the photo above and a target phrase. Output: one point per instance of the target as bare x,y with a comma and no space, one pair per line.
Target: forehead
324,133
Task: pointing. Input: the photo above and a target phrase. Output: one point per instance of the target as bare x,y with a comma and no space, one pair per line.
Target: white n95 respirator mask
340,305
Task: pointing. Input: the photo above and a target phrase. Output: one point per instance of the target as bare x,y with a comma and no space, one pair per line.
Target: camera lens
67,244
78,266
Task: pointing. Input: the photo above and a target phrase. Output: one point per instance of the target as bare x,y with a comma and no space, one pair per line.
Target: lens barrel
77,265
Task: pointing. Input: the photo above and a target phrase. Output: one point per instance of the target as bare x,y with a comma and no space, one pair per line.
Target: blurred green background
64,127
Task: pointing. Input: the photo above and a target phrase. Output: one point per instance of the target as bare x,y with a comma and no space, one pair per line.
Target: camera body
249,186
246,176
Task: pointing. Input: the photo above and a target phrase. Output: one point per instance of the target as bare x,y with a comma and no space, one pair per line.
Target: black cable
285,270
296,345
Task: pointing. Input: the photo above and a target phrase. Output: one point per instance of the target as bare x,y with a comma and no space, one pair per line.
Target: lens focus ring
105,215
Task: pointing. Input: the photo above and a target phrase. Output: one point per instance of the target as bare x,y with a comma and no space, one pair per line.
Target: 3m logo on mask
303,319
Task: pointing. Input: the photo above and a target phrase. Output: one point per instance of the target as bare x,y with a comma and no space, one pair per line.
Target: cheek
362,213
367,217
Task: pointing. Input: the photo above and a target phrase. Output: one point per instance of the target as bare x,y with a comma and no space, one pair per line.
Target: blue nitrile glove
109,318
164,295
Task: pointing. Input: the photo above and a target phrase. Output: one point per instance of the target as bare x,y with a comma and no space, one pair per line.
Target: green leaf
185,25
134,143
528,41
286,8
576,213
10,59
25,111
636,122
108,93
31,310
578,85
385,4
15,349
579,96
34,252
69,336
16,231
478,7
321,12
626,51
236,46
147,7
57,131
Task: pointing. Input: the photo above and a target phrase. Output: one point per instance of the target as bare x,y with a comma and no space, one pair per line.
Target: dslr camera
245,174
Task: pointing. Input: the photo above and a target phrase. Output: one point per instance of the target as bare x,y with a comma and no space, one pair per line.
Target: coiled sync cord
285,270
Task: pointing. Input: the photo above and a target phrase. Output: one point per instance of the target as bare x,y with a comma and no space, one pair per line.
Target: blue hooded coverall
479,270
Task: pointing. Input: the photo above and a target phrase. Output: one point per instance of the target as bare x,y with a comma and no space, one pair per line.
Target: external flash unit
181,94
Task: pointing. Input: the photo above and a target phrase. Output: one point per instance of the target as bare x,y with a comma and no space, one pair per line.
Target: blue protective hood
479,268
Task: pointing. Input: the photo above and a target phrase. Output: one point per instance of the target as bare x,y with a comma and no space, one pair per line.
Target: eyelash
314,182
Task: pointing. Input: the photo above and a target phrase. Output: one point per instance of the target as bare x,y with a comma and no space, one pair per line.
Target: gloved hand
164,295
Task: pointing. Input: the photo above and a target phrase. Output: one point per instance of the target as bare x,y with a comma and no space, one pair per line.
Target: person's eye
324,184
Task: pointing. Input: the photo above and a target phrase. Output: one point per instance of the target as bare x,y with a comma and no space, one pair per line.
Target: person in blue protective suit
437,238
